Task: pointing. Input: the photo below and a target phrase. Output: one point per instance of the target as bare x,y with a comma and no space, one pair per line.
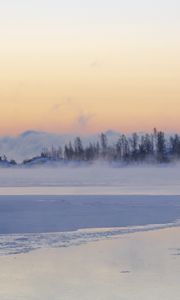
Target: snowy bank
136,266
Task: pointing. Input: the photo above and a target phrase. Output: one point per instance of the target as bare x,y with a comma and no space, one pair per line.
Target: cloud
56,107
84,119
81,117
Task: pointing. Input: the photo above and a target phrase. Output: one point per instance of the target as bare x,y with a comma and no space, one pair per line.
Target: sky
89,66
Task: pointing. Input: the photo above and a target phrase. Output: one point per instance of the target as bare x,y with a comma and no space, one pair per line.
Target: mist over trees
137,148
155,147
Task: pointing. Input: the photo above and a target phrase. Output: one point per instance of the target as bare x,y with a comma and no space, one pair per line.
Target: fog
91,180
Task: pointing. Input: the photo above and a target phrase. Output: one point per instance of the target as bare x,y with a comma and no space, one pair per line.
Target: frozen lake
55,207
42,214
32,222
97,180
90,233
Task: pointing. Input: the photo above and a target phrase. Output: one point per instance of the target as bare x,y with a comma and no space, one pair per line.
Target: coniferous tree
78,147
134,146
161,147
104,144
150,148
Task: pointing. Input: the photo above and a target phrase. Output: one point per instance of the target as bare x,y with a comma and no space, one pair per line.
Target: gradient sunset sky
88,66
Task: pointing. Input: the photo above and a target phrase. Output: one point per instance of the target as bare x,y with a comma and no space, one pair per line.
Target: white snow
150,179
131,213
136,266
145,180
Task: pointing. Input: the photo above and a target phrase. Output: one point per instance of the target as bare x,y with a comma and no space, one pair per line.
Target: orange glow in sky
89,68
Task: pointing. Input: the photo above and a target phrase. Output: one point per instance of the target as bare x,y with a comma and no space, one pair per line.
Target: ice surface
31,222
92,180
43,207
136,266
54,210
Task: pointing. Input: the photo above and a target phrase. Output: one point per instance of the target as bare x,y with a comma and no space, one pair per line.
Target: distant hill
30,143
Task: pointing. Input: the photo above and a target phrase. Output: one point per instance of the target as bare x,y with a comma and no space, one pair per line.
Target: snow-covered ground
47,201
97,233
136,266
92,180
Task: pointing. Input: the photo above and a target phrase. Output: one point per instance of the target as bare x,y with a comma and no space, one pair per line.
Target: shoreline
17,244
138,266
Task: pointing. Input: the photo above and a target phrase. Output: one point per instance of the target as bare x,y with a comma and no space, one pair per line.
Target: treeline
137,148
5,162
